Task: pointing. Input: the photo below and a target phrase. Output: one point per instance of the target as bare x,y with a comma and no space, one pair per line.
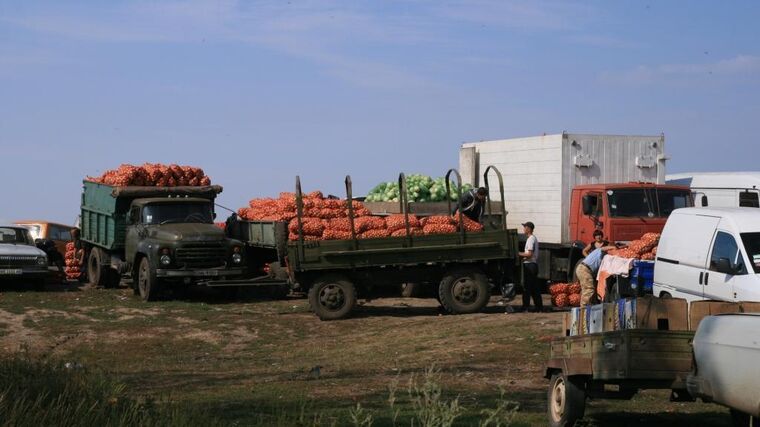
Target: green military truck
159,236
460,268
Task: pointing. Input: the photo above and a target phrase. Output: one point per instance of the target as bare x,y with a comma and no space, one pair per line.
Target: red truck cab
624,212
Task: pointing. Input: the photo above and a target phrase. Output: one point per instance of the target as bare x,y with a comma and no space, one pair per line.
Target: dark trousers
531,286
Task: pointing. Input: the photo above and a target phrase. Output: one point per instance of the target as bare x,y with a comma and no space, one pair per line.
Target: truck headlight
237,258
165,260
41,260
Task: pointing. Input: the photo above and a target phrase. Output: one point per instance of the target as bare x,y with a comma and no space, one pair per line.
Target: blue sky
257,92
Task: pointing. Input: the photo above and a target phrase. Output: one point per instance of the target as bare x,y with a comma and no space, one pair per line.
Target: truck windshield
15,235
752,246
648,203
164,213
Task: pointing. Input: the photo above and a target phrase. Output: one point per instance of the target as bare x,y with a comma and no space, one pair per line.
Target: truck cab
624,212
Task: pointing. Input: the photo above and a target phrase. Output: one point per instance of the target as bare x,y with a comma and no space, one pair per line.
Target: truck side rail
501,192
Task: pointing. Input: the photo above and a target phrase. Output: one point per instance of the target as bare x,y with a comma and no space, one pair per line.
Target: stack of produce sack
565,294
73,269
327,219
153,175
420,188
644,248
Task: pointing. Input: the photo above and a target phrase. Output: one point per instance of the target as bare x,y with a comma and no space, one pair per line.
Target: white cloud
736,67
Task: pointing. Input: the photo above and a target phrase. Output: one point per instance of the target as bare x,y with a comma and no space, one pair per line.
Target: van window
752,246
749,199
725,247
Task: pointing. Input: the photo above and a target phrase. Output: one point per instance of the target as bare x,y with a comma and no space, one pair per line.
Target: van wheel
147,282
332,297
566,400
464,291
665,295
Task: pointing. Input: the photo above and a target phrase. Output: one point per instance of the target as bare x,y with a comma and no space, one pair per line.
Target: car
20,260
725,351
60,234
709,254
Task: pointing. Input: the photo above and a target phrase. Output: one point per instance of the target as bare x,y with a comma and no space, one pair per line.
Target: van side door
726,270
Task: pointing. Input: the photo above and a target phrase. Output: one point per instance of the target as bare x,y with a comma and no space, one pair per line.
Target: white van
721,189
709,253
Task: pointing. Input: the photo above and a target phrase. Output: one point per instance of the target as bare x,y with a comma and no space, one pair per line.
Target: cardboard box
596,319
566,321
665,314
575,321
698,310
584,319
610,321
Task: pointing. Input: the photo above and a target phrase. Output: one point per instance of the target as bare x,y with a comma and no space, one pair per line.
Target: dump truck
460,267
570,185
158,236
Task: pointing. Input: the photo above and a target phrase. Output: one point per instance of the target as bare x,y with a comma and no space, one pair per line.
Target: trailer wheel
464,291
332,297
566,400
147,282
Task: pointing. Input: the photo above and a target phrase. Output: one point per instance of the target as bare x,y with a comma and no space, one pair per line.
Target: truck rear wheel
566,400
464,291
147,282
332,297
97,271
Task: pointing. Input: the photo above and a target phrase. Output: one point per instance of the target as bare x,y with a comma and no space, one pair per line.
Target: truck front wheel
147,282
566,400
464,291
332,297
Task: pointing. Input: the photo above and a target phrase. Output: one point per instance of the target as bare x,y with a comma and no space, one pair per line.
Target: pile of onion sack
644,248
565,294
73,268
153,175
327,219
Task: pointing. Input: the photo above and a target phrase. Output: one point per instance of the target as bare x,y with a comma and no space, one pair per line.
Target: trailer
158,236
570,185
615,365
460,268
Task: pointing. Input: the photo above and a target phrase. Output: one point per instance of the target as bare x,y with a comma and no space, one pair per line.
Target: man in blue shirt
586,273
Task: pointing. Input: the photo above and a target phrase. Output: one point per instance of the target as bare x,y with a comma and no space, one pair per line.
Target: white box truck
721,189
569,185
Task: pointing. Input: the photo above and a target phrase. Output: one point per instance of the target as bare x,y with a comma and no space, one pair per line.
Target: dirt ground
244,358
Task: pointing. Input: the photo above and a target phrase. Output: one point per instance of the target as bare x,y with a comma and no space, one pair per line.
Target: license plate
10,271
207,273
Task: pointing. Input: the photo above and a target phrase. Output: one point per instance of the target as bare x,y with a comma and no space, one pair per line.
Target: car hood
9,249
189,232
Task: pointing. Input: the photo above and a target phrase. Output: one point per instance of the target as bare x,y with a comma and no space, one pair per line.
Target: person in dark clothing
531,284
473,203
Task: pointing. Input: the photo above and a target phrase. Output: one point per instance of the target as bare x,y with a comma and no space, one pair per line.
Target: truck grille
7,261
202,255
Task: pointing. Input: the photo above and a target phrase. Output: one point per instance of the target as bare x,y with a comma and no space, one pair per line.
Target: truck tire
332,297
464,291
566,400
147,282
97,272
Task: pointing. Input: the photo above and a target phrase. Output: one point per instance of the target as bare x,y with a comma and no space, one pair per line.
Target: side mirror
704,200
37,242
214,215
724,266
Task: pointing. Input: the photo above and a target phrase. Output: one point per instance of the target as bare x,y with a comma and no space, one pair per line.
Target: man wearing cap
531,286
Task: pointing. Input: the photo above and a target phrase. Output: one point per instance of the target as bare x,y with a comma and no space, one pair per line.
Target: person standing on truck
586,273
472,204
596,244
531,286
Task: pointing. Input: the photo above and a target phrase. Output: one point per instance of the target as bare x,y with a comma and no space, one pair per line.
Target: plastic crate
642,275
